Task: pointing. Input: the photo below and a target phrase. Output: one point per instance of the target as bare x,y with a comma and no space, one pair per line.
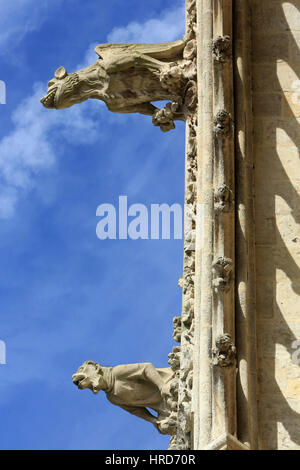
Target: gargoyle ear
60,73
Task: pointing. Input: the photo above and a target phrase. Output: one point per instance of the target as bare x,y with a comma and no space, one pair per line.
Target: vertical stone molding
185,383
246,341
214,389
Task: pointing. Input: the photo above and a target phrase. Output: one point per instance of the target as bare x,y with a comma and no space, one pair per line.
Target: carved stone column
245,230
214,386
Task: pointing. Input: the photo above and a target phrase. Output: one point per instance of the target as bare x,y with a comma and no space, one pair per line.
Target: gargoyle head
67,89
89,375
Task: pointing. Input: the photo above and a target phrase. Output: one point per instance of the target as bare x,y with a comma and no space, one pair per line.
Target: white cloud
30,148
169,27
89,58
8,200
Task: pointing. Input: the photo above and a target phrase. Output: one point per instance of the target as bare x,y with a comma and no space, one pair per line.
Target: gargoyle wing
168,51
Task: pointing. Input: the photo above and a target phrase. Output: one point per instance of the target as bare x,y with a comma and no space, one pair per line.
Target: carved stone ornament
180,282
222,124
177,328
223,199
136,388
174,359
129,77
183,438
222,48
191,20
223,268
224,353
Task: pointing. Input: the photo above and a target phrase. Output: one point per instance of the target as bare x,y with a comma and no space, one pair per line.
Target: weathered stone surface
268,17
291,14
279,376
265,299
279,426
276,337
295,46
267,104
281,132
287,297
277,163
265,229
133,387
269,48
224,352
128,78
291,103
289,229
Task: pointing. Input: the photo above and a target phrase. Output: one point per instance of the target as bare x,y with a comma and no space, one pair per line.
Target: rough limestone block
267,104
258,132
288,301
265,230
295,47
281,132
269,48
265,261
264,197
265,299
279,376
267,16
285,194
277,164
292,15
279,423
264,78
276,337
287,261
287,78
291,103
289,229
277,197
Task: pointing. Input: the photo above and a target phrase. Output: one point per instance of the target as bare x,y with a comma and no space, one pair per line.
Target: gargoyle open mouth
77,382
49,100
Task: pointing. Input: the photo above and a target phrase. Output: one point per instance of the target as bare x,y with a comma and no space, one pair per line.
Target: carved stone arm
147,109
141,413
153,376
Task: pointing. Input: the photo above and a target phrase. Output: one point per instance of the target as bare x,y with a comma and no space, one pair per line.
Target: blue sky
67,296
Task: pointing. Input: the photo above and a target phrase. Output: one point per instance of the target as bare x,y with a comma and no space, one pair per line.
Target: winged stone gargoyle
129,77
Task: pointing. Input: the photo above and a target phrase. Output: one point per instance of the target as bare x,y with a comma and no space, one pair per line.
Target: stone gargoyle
135,388
129,77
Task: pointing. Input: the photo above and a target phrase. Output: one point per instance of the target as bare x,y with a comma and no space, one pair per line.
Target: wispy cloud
169,27
30,148
20,17
89,58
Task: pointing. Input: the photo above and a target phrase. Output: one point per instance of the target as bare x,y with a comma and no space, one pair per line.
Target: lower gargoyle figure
134,387
129,77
